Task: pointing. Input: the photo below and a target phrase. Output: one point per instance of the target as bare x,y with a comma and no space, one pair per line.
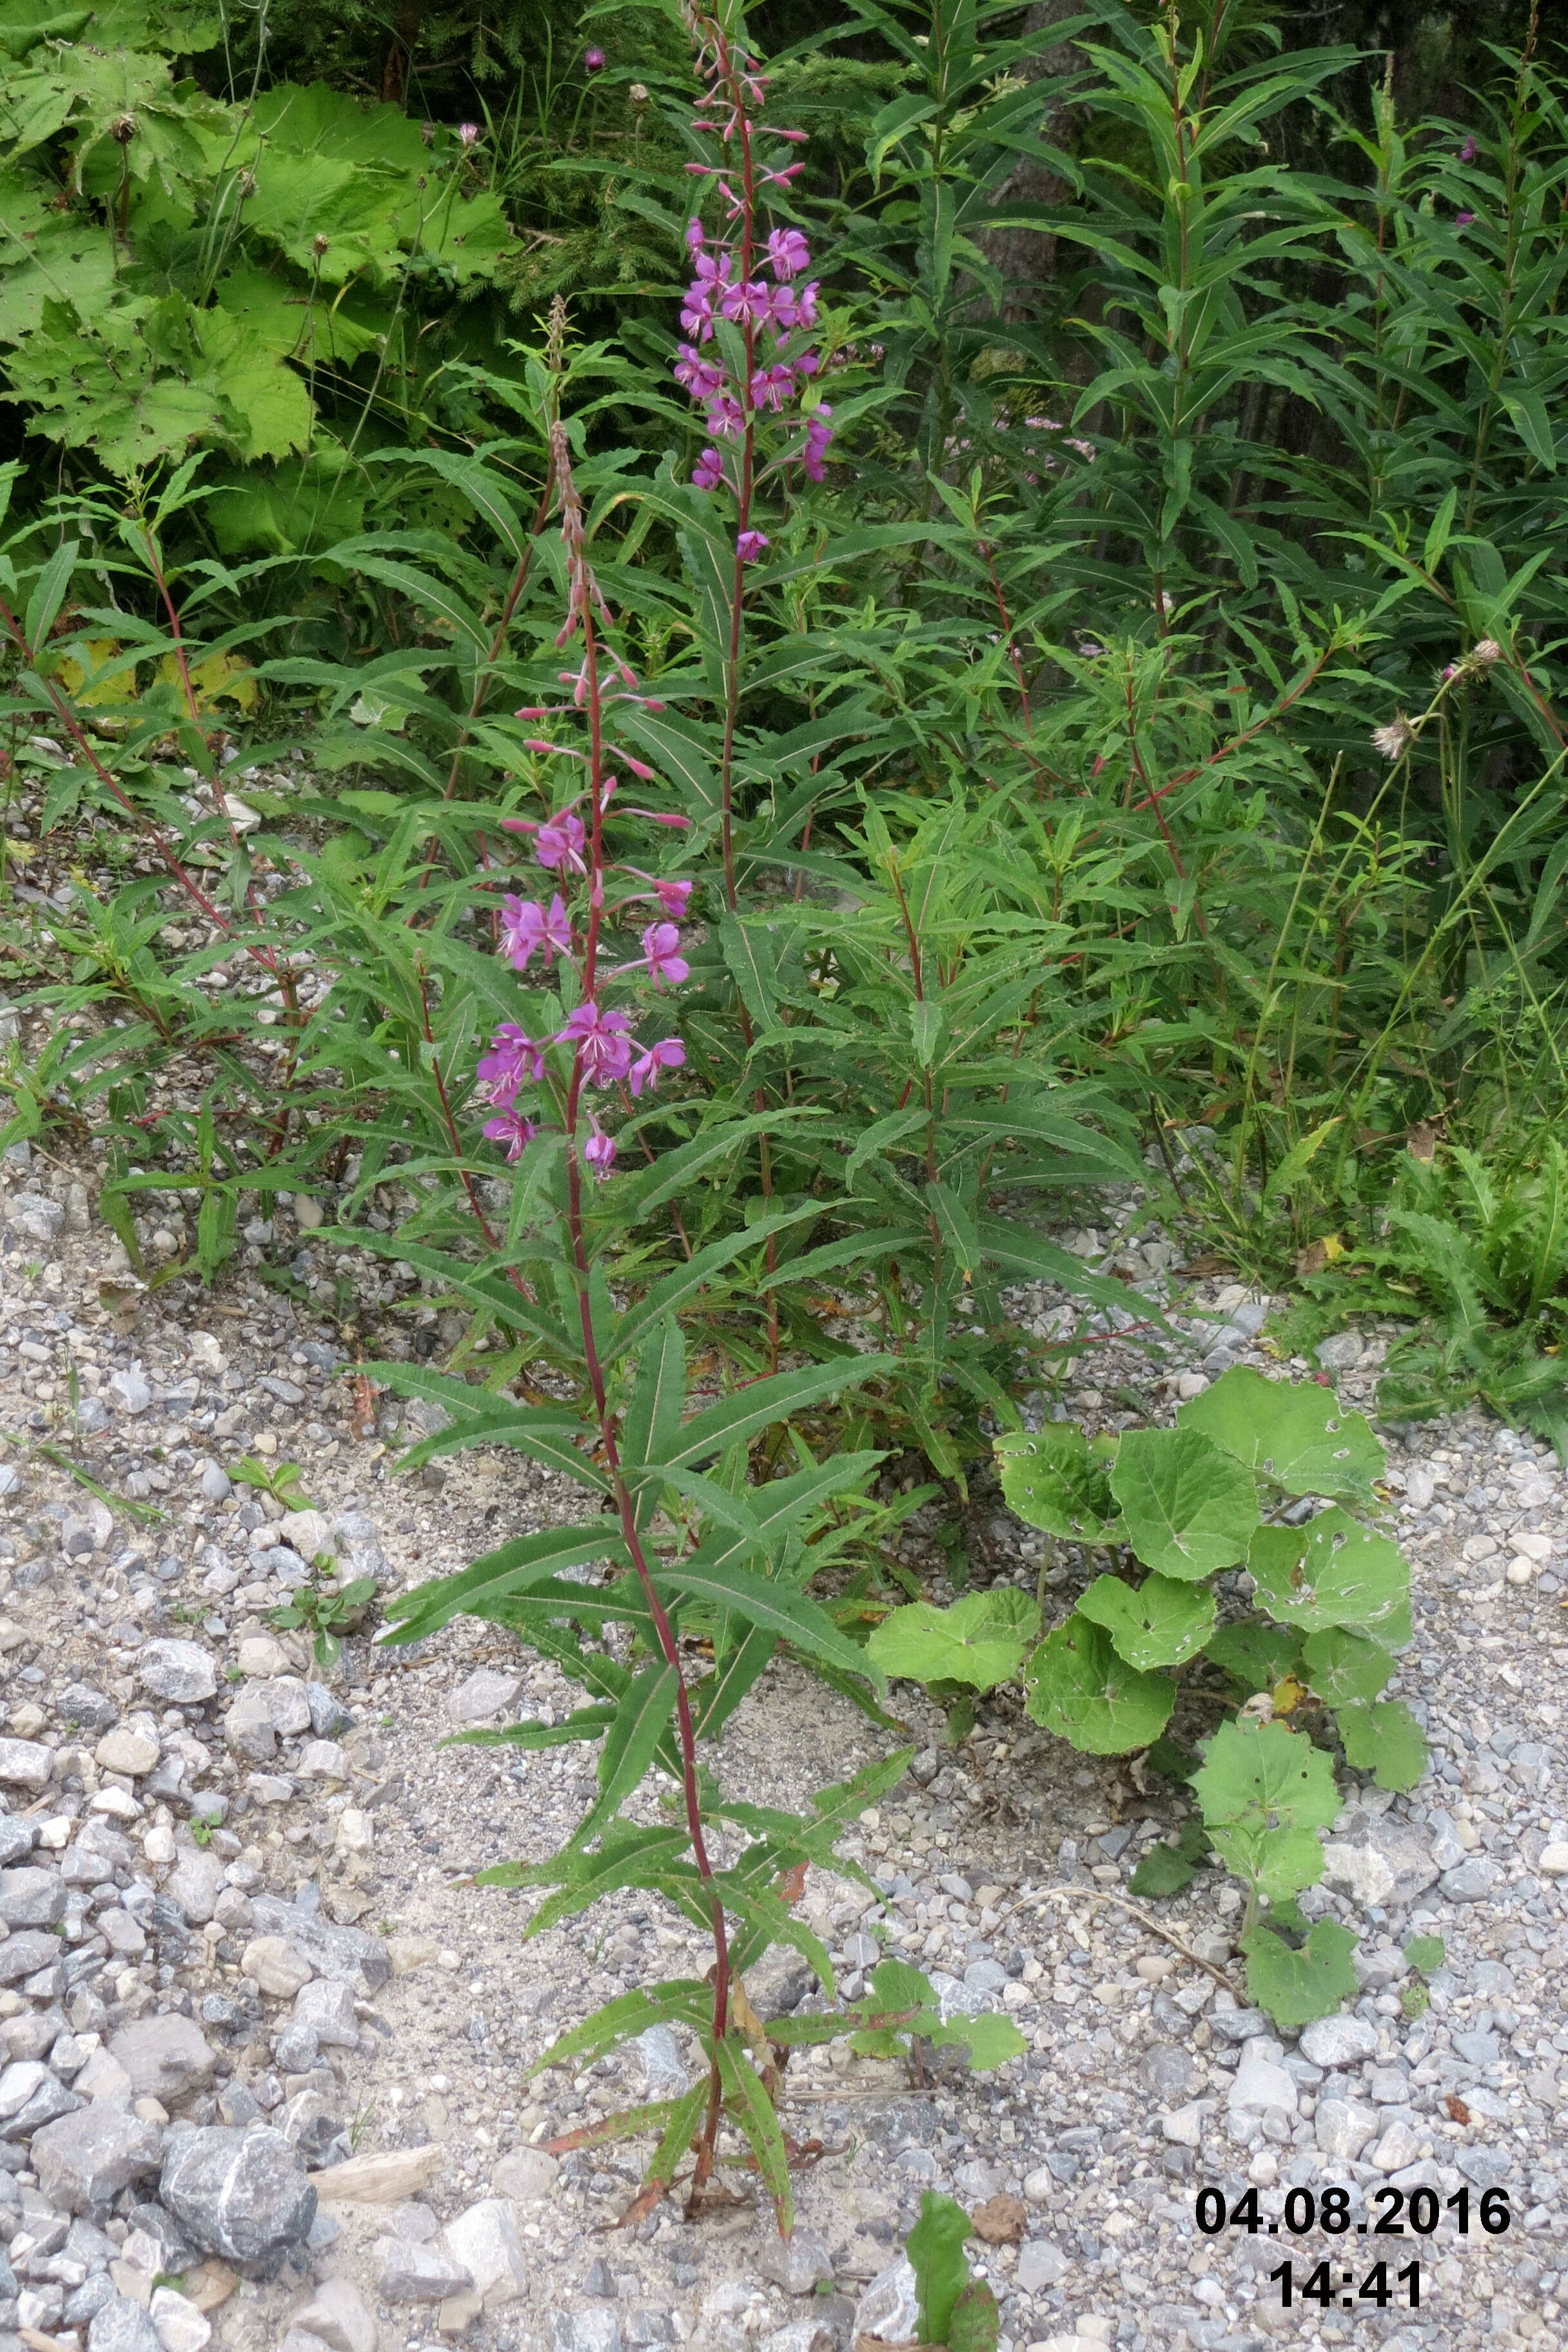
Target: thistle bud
123,129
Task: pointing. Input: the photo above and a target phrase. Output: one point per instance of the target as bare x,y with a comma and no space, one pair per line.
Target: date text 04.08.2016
1325,2286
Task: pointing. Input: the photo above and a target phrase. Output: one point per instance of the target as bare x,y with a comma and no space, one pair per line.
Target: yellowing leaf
219,677
74,675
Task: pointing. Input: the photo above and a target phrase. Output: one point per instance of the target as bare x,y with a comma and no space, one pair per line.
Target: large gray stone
22,1955
121,2325
180,1672
240,2194
888,2308
1338,2041
85,2159
349,1955
31,1897
26,1764
420,2272
196,1883
264,1713
485,2240
1386,1861
339,2316
167,2057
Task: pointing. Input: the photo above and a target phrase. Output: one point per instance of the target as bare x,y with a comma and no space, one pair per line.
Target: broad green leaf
1258,1655
1384,1739
976,2321
1297,1984
935,2252
1263,1791
1426,1954
1053,1481
1167,1869
1346,1669
1187,1509
1334,1571
1160,1622
980,1641
1292,1432
990,2039
1078,1687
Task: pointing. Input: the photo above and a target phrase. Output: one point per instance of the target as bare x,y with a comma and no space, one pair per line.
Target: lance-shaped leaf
508,1574
1078,1687
1187,1509
1292,1432
1298,1980
1334,1571
736,1419
586,1723
1052,1480
477,1417
774,1607
1264,1791
981,1641
653,1413
629,1857
679,2001
1386,1740
629,1745
1160,1623
756,2118
487,1293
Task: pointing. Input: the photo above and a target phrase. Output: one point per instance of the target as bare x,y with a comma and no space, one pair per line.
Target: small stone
240,2194
323,1759
24,1764
1398,2147
180,1672
1259,2086
1553,1862
261,1655
1338,2041
484,2240
181,2326
1041,2265
796,2263
326,2010
131,1391
167,2057
121,2325
487,1692
356,1832
800,2335
340,2317
384,2179
1343,2128
526,2175
1169,2071
1041,2185
127,1749
88,1709
279,1967
1389,1864
85,2159
1184,2126
1342,1351
419,2271
888,2308
1472,1882
663,2072
31,1898
197,1884
264,1713
584,2331
1238,2024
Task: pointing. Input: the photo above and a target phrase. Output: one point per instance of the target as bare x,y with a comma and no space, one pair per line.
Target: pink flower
703,295
670,1054
726,417
469,133
702,378
1463,220
746,302
527,929
750,545
602,1043
594,61
660,943
788,252
599,1152
805,304
672,896
513,1058
558,842
772,387
1467,151
695,240
515,1131
818,433
709,471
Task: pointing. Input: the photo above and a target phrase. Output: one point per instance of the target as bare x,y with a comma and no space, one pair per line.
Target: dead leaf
1288,1696
1000,2221
1203,1268
121,1302
1310,1260
649,2200
362,1406
792,1885
1458,2112
1421,1140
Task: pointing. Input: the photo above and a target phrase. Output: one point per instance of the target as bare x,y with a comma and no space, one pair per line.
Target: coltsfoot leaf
1160,1623
1345,1668
1334,1571
1078,1687
1187,1509
1296,1985
1053,1480
979,1642
1386,1740
1292,1431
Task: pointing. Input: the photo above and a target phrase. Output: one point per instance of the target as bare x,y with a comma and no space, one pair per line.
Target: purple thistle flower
750,545
594,61
513,1129
788,252
709,471
660,943
527,928
469,133
603,1043
670,1054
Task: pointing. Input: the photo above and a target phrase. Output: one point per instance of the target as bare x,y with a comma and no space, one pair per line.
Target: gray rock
350,1954
888,2308
131,1391
419,2271
1338,2041
1260,2084
1484,2168
48,2099
23,1956
484,2240
487,1691
264,1713
339,2316
87,2298
1169,2072
240,2194
325,2008
1472,1882
85,2159
1184,2126
1398,2147
31,1897
1041,2264
1342,1351
1238,2024
1386,1862
526,2175
329,1716
664,2073
121,2325
797,2262
180,1672
26,1764
36,1217
800,2336
1343,2128
196,1883
17,1838
82,1705
167,2057
584,2331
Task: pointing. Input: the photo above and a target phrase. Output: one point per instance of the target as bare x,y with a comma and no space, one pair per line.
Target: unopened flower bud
639,93
1487,652
123,129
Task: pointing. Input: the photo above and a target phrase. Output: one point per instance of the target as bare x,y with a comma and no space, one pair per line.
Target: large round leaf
1384,1740
1346,1669
980,1641
1053,1481
1078,1687
1334,1571
1187,1509
1160,1623
1264,1791
1294,1433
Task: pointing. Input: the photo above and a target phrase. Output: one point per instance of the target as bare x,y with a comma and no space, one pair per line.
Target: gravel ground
234,1963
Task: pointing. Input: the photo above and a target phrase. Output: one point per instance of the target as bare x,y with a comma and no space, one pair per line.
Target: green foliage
326,1611
1298,1975
980,1641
